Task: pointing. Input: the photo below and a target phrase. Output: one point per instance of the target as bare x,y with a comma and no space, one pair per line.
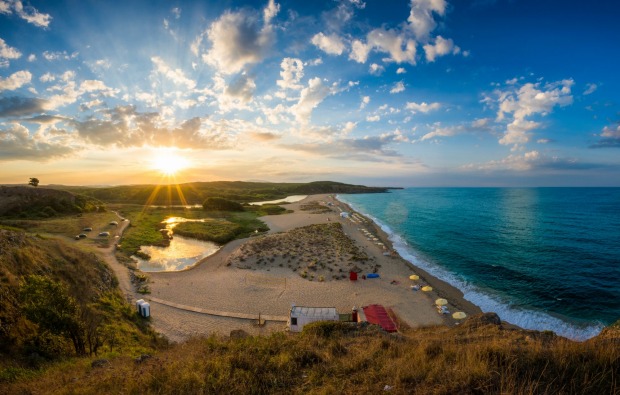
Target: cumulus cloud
27,13
331,44
7,53
478,125
376,69
609,137
175,75
373,118
359,51
292,73
59,55
396,44
398,87
16,143
365,101
421,19
310,98
518,103
441,47
19,106
238,39
422,107
401,70
15,80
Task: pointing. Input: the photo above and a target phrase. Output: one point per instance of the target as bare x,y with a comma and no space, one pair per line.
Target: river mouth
182,253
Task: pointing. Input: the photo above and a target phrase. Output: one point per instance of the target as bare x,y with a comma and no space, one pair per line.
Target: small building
300,316
144,308
344,214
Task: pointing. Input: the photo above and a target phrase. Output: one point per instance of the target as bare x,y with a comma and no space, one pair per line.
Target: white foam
522,317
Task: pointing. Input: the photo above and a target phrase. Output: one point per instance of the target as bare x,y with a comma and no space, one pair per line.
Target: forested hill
197,192
22,201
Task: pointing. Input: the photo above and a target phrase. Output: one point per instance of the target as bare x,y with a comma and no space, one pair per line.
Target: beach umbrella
414,277
459,315
441,302
427,288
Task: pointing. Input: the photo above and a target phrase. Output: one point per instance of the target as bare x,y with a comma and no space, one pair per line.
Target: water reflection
182,252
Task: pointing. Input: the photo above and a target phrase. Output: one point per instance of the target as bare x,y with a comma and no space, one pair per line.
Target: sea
541,258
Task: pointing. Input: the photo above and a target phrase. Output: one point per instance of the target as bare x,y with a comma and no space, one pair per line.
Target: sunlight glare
168,162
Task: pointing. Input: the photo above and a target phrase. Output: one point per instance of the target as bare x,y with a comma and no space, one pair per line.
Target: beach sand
262,275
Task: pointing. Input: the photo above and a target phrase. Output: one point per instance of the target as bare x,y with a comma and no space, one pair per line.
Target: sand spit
265,275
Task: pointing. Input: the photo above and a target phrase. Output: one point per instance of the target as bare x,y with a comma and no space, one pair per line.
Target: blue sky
402,93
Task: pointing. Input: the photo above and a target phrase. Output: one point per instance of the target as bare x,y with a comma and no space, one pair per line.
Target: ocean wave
522,317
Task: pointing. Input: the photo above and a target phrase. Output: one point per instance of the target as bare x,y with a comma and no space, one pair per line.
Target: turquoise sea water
542,258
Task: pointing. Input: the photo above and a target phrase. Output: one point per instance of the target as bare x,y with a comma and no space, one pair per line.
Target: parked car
104,234
87,229
80,236
114,223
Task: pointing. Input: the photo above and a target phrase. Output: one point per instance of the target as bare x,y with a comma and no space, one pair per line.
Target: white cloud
58,55
15,80
422,107
365,101
47,77
611,132
175,75
292,72
401,70
543,141
7,53
348,127
238,40
373,118
359,51
376,69
398,87
590,88
32,57
17,143
421,20
396,44
519,103
27,13
442,47
331,44
524,162
310,98
176,11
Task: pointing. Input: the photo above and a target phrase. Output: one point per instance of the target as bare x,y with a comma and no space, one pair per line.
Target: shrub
221,204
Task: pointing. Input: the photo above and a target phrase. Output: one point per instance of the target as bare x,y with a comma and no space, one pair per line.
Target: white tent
144,308
300,316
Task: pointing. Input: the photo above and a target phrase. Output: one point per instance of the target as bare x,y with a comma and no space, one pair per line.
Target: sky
386,93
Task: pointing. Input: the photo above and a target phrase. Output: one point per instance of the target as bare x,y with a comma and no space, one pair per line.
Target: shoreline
270,287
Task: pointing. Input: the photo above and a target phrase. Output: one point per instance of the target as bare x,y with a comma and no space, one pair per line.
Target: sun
168,162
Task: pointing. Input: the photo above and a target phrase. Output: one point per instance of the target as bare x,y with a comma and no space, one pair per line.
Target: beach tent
376,314
300,316
352,276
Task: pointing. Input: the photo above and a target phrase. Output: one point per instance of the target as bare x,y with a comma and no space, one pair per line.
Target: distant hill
197,192
23,201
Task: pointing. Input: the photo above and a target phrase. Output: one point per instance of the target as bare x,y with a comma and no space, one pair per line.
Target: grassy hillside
197,192
57,301
475,358
30,202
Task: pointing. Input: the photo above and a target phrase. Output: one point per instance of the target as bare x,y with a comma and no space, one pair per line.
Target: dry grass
337,358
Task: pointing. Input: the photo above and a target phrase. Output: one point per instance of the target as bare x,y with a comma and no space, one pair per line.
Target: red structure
352,276
376,314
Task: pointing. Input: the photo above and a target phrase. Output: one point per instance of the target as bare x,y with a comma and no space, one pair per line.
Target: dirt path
122,272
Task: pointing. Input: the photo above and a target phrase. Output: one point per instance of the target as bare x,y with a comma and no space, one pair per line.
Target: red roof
376,314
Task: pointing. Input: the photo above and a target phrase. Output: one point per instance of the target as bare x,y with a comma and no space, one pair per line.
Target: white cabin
300,316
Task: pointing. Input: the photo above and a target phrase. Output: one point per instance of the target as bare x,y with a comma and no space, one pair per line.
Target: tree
48,304
221,204
34,182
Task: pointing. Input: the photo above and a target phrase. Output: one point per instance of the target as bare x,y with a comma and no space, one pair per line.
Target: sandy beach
265,276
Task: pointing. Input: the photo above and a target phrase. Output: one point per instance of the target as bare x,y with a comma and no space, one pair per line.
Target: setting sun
168,162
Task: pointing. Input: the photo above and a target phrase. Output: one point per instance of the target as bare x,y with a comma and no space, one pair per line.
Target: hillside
21,201
197,192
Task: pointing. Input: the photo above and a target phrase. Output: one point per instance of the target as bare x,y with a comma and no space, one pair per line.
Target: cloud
365,101
27,13
401,70
263,136
398,87
237,94
441,47
522,102
376,69
15,80
7,53
359,51
292,72
310,98
421,20
59,55
175,75
394,43
610,137
524,162
19,106
331,44
590,88
373,118
478,125
422,107
238,39
16,143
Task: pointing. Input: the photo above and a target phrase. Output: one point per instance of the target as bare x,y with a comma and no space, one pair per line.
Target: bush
221,204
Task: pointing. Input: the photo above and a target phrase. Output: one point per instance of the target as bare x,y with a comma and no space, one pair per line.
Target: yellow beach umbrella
441,302
459,315
427,288
414,277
